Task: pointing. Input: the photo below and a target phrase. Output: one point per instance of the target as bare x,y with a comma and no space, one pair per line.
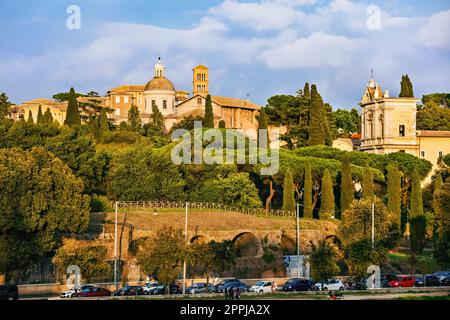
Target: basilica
176,105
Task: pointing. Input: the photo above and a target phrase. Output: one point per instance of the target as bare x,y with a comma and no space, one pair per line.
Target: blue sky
260,48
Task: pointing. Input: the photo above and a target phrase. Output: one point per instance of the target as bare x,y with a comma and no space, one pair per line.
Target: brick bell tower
200,80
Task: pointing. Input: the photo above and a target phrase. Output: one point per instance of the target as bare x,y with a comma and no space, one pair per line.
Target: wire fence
145,205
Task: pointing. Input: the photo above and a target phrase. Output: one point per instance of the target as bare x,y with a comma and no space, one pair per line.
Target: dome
159,83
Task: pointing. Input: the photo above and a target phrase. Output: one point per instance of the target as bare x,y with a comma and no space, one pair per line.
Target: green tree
30,118
347,191
323,262
164,255
104,130
209,116
73,113
441,204
367,184
91,258
394,192
348,121
288,191
5,106
262,129
40,116
318,120
157,119
327,208
134,120
406,86
417,218
65,96
32,226
306,93
48,117
307,192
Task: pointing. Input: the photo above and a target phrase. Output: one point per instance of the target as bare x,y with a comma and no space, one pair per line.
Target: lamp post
185,240
115,247
298,238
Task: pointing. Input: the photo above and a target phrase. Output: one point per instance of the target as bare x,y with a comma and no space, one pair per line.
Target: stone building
388,125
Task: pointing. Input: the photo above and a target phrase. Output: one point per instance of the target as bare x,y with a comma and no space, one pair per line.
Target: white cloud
436,32
317,50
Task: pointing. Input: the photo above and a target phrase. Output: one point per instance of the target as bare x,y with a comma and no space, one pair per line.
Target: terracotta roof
41,101
129,87
45,102
432,133
233,102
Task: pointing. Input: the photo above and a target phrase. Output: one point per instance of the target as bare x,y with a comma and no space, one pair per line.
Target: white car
262,286
332,284
149,287
71,292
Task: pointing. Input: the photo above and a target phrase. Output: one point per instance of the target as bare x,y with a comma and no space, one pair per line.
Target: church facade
388,125
176,105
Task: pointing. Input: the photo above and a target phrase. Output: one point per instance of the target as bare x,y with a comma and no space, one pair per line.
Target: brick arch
247,244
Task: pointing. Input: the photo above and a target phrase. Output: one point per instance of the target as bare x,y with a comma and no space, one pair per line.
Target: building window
402,151
164,104
199,100
401,130
125,99
422,154
117,99
153,103
441,154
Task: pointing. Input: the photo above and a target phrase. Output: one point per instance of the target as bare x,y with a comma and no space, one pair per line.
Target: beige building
57,109
389,125
177,105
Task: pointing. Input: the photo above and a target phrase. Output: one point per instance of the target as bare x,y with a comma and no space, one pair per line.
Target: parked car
225,281
441,275
352,284
71,292
332,284
403,281
163,289
298,284
9,292
201,288
94,292
129,291
427,281
445,281
233,285
262,286
385,280
149,287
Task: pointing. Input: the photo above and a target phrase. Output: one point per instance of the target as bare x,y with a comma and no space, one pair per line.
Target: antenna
248,96
371,74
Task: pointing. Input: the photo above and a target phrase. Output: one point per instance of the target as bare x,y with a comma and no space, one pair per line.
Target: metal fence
145,205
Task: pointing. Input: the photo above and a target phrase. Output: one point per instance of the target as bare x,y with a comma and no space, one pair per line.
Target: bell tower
200,80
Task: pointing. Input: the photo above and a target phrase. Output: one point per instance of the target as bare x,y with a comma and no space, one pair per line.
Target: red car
402,282
94,292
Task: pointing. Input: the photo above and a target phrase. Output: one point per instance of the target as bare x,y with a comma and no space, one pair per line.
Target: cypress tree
134,120
327,199
103,126
318,122
30,118
222,124
288,191
209,116
307,192
406,87
306,93
262,125
48,118
73,114
410,87
394,192
40,116
438,185
367,183
416,205
347,194
157,119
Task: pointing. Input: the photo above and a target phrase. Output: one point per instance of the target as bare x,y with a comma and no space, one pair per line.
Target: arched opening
247,245
288,245
198,240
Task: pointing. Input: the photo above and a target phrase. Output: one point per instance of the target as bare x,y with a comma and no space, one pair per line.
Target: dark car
94,292
201,287
223,282
163,289
385,279
232,285
298,284
9,292
353,284
445,281
428,281
129,291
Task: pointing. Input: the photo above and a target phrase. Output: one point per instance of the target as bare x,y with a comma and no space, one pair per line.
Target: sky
256,48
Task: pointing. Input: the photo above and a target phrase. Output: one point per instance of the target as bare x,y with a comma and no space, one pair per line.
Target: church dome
159,83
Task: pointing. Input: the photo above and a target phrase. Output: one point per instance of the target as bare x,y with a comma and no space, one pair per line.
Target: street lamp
185,240
297,211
